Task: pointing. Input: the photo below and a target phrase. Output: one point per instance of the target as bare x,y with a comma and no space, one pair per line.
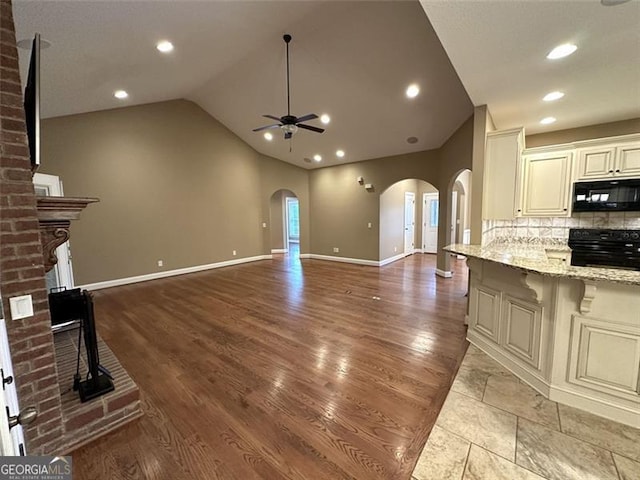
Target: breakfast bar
572,333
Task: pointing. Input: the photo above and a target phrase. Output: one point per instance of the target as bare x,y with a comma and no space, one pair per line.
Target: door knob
25,417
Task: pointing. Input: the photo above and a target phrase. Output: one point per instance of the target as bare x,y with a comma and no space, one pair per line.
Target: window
294,218
433,213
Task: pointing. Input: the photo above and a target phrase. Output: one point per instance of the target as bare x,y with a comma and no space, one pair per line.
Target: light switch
264,225
369,225
21,307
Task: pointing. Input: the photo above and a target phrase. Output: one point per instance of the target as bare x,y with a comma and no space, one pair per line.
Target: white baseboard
444,273
389,260
305,255
617,413
171,273
279,250
357,261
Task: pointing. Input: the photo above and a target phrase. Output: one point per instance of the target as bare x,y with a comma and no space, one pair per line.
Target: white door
454,217
409,222
430,206
61,275
11,440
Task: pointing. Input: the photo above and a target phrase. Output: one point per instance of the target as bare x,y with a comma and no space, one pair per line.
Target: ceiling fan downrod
287,39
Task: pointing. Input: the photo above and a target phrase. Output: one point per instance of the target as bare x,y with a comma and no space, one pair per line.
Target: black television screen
32,104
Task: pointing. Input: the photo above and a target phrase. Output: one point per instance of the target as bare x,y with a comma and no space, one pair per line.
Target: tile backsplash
555,229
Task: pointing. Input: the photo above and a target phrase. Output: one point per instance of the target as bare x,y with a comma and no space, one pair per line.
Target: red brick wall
21,263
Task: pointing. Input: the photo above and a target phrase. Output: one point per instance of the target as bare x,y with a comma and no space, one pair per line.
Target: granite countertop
533,258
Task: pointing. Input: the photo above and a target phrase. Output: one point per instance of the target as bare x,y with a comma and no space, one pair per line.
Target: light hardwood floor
281,369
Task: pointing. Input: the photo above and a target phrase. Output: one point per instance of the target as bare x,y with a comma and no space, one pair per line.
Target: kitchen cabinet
546,184
501,172
609,160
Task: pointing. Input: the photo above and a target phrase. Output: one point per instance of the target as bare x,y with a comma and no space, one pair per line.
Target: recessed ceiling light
561,51
547,120
324,118
340,153
268,136
165,46
413,90
121,94
317,158
550,97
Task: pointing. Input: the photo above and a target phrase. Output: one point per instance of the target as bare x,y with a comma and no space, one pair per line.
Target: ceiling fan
288,123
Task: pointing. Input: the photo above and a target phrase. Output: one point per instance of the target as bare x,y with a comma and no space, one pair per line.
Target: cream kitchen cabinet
607,161
501,172
545,187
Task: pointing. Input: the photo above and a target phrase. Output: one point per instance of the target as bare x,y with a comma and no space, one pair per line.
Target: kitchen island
572,333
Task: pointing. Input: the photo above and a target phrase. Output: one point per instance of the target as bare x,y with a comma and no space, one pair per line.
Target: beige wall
174,185
392,218
455,156
482,124
341,208
602,130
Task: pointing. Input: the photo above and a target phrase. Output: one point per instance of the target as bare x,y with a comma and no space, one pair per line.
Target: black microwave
607,196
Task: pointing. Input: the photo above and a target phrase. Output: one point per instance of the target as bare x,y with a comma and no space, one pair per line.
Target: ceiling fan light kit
288,123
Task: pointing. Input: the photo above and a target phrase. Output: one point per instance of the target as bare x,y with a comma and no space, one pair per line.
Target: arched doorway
461,207
284,213
408,219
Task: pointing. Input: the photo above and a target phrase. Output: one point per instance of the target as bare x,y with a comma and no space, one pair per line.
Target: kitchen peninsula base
572,333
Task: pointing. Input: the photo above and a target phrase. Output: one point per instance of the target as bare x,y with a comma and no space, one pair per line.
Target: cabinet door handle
618,171
564,209
610,171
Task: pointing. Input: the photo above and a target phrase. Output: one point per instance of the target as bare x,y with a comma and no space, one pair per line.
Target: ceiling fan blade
287,135
277,125
309,127
304,118
277,119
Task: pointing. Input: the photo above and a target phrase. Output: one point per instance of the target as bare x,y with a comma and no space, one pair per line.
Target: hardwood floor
281,369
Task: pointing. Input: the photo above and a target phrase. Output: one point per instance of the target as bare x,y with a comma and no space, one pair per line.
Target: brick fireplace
62,422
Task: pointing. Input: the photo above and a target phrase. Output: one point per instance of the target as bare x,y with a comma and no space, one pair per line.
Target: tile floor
495,427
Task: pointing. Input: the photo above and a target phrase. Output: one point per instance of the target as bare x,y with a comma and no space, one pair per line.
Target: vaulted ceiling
351,60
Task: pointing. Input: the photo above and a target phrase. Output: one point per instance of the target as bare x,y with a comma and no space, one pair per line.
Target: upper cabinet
538,182
501,173
546,185
608,160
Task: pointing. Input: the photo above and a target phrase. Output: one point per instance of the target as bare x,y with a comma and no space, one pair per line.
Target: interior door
409,222
430,206
61,275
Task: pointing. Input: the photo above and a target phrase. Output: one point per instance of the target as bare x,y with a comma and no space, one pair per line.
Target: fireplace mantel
55,215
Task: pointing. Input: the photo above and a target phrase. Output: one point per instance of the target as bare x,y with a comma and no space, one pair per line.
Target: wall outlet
234,253
395,249
21,307
369,225
336,250
160,263
264,224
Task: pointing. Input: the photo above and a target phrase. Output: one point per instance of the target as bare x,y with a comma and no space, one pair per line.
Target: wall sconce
360,180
